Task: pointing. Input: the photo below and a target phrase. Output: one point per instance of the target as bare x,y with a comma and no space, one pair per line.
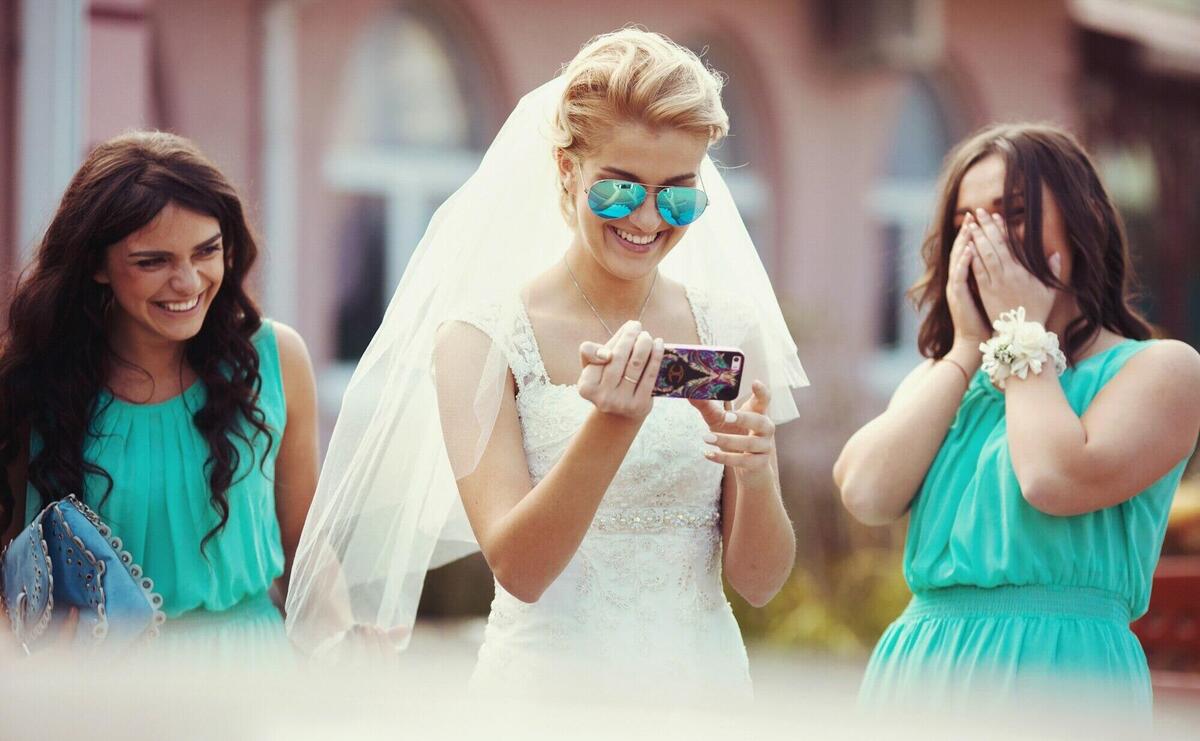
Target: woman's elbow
759,598
757,593
864,503
1049,494
518,584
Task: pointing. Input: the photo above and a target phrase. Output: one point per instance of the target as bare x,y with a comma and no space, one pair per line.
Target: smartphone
699,372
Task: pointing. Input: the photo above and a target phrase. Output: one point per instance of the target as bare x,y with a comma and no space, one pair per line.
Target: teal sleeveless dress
216,603
1007,601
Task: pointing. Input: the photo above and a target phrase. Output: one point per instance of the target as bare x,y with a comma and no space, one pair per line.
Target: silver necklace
592,306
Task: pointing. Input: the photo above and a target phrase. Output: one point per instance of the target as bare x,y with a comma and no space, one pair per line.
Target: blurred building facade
346,122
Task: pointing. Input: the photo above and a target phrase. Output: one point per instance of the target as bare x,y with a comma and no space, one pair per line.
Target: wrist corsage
1019,347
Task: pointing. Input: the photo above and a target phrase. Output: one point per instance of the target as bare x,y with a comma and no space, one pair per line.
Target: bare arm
1140,426
759,544
528,534
296,467
883,464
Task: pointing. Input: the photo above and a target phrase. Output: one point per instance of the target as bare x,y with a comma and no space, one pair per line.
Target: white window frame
905,203
408,180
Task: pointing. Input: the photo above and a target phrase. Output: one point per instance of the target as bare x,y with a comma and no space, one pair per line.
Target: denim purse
67,557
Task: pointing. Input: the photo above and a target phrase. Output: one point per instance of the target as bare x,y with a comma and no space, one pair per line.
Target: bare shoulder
295,365
1167,364
292,349
460,337
294,361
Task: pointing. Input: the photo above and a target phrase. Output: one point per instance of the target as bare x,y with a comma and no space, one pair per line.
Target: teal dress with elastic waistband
160,506
1007,599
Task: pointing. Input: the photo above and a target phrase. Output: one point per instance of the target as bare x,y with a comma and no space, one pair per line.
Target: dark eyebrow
164,253
626,175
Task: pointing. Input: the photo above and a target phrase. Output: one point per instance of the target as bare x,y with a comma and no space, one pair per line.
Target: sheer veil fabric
387,508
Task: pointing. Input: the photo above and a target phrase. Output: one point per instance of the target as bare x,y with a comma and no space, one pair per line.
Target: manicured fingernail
996,217
658,343
730,417
604,353
710,454
710,438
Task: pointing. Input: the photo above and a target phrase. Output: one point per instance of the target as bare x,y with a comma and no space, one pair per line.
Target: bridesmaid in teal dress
136,371
1037,510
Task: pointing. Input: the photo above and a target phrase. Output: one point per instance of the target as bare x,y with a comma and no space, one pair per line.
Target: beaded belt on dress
655,519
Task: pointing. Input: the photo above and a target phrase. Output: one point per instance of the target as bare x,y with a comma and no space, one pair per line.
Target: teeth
185,306
635,238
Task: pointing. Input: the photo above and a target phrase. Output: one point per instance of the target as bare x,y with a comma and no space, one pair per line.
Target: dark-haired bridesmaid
137,372
1038,448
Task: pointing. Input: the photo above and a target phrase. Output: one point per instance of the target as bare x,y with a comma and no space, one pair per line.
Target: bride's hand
622,385
744,439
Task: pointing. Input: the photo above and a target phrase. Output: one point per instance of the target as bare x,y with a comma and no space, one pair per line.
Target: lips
638,243
179,307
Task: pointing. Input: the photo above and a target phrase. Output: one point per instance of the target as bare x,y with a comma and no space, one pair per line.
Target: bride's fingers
758,424
739,443
650,374
625,338
593,353
639,358
712,411
738,460
760,398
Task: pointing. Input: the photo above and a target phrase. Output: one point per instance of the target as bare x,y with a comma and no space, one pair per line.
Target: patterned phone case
698,372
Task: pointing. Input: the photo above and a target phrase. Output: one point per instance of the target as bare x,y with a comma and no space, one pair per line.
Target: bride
606,516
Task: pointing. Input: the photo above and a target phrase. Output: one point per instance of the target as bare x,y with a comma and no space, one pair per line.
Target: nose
186,280
646,218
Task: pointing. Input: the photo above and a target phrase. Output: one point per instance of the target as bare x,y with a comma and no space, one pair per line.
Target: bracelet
956,364
1019,348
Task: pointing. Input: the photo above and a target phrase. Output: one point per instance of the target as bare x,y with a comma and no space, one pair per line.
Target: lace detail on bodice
644,589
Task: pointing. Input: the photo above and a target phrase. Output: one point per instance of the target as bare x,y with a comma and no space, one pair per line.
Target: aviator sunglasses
616,199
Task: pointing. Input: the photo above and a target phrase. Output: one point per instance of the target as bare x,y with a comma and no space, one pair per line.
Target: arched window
408,133
902,203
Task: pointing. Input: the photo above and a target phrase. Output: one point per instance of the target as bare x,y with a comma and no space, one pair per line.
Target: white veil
387,507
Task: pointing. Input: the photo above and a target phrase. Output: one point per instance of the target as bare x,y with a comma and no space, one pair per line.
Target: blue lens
681,206
615,199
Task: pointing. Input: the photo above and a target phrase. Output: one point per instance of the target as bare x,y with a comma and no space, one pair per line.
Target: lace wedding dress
639,612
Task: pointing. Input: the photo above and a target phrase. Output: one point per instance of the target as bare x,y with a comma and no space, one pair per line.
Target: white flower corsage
1019,347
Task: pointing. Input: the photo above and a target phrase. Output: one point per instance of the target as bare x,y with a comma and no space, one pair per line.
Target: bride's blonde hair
636,76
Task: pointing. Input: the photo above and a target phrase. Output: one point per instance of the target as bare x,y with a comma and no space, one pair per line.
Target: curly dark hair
55,350
1101,274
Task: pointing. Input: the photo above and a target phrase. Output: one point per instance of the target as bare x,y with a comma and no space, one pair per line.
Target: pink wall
119,69
832,127
827,130
207,59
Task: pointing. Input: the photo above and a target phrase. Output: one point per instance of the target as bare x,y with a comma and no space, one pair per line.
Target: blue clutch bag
67,557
